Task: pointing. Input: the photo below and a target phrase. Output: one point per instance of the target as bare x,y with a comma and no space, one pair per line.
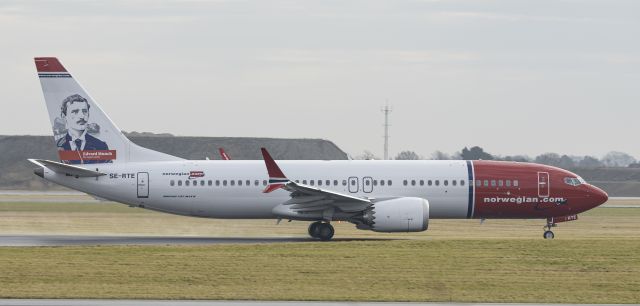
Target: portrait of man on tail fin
74,112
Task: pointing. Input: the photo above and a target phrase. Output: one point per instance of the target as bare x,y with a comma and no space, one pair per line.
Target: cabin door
353,184
543,184
143,184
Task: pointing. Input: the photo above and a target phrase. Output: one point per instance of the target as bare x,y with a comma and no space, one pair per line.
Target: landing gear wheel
325,231
314,229
548,235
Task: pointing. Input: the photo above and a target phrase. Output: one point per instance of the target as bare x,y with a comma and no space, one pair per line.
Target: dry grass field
593,260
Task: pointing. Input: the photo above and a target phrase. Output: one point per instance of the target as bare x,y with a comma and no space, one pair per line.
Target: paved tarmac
75,240
70,240
9,302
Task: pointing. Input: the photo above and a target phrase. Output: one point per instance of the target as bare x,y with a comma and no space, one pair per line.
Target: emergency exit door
143,184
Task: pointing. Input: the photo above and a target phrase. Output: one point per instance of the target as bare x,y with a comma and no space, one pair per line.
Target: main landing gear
548,234
321,230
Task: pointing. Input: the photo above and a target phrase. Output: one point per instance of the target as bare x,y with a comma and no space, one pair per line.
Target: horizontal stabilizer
66,169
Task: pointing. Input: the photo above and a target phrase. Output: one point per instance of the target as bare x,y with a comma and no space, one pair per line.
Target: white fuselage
214,191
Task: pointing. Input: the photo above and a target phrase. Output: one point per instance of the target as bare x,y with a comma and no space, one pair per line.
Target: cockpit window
573,181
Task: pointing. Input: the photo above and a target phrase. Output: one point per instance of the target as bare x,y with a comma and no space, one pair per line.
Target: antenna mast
386,110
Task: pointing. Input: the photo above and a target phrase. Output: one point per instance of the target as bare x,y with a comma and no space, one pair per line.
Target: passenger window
478,183
421,182
304,182
453,182
319,182
493,183
353,183
375,182
311,182
239,182
210,182
429,182
248,183
486,183
179,183
461,182
172,183
500,183
201,182
413,182
367,182
515,183
232,182
264,182
508,183
217,182
186,183
344,182
335,182
327,183
437,182
224,183
381,182
404,182
389,182
446,182
257,182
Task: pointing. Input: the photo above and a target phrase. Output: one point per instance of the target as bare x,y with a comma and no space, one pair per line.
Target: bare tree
551,159
408,155
590,162
439,155
617,159
475,153
367,155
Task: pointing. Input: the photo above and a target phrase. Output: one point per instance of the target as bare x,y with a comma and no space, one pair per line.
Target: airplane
95,157
223,154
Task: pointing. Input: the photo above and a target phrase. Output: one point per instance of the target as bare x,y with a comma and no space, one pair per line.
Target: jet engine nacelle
397,215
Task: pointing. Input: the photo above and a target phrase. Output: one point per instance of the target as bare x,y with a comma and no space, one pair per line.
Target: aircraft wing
308,198
66,169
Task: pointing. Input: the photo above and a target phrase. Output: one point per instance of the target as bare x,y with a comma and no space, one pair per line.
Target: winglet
277,179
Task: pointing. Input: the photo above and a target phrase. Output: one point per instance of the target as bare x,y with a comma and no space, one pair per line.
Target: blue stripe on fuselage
470,204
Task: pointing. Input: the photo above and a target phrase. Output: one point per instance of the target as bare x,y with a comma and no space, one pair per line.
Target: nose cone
599,196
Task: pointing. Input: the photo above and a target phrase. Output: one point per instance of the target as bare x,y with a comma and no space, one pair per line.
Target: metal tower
386,110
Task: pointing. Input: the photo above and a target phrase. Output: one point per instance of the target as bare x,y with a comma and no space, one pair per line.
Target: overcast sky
515,77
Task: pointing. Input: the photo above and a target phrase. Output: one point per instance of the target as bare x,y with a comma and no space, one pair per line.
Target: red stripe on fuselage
529,199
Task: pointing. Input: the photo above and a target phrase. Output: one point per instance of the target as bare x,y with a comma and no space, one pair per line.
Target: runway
73,240
77,240
9,302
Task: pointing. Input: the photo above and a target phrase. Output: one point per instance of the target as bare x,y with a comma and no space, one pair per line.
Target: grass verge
518,270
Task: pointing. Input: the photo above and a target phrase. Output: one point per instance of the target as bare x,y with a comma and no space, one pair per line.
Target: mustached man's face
77,116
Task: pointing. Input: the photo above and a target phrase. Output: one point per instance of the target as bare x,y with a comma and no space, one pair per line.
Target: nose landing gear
321,230
548,234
